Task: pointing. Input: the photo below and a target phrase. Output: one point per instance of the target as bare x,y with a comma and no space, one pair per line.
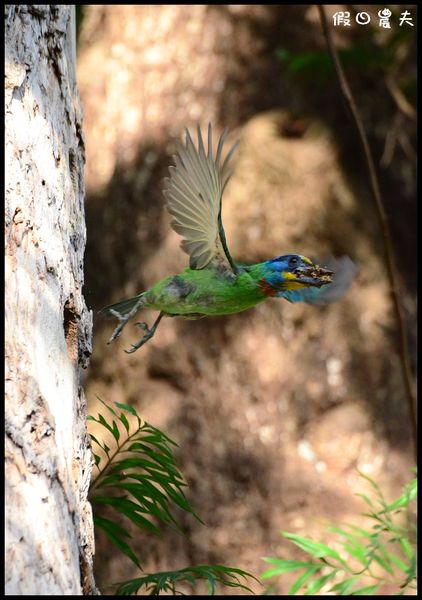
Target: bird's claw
116,333
148,335
143,325
123,319
141,342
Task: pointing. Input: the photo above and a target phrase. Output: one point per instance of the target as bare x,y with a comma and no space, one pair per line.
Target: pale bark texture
49,539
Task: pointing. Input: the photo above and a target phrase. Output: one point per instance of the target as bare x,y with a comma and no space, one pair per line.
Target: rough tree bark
48,327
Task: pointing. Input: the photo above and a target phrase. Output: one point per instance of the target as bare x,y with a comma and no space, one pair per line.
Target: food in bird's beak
314,275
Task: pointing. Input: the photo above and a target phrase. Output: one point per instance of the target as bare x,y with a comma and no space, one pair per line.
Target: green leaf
165,456
133,462
110,480
116,431
313,548
94,439
157,439
411,574
357,551
376,488
165,581
153,430
127,408
157,475
151,468
115,533
102,445
108,525
142,494
107,406
383,562
129,509
362,532
410,493
344,586
369,590
177,496
353,547
104,423
319,583
286,566
407,548
163,515
398,562
302,579
367,500
124,421
131,410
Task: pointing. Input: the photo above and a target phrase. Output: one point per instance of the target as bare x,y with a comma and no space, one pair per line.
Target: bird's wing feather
193,192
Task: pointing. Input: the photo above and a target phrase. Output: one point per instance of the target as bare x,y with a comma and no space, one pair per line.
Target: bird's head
292,272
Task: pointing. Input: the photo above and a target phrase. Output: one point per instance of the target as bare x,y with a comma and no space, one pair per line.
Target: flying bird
214,283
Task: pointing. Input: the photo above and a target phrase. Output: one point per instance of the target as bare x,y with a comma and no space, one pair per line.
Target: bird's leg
123,319
147,336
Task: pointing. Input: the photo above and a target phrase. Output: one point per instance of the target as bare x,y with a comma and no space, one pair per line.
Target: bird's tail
122,307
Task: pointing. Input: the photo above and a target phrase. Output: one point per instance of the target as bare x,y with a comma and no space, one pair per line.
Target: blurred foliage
319,63
390,545
166,581
142,466
376,51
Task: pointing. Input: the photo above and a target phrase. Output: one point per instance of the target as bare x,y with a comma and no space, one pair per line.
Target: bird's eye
294,261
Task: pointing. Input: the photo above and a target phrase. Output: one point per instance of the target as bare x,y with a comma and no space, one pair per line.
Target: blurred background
274,409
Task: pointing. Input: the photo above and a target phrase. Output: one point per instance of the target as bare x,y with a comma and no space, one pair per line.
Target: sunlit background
277,408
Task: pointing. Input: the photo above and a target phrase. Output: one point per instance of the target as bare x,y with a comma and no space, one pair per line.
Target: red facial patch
266,287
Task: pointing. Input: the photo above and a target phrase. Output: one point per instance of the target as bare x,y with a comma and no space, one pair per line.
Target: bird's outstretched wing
193,192
344,270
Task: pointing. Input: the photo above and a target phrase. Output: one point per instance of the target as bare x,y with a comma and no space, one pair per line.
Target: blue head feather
280,271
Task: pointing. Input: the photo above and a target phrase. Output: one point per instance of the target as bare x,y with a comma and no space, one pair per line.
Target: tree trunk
49,534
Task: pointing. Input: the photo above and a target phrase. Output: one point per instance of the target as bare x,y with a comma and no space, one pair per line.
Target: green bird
215,284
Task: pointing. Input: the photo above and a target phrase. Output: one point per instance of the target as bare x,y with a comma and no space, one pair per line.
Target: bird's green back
194,293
